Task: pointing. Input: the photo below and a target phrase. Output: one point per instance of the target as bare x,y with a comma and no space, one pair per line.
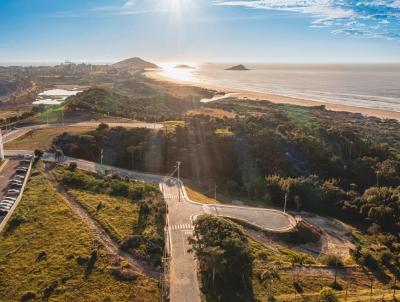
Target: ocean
374,86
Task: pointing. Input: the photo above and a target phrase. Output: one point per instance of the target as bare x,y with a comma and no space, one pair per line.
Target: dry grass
199,197
118,215
42,138
219,113
44,249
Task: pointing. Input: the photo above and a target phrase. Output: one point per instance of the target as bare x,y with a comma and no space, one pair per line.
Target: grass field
139,212
42,138
118,216
45,250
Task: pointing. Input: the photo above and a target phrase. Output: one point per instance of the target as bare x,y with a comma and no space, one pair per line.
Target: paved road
184,284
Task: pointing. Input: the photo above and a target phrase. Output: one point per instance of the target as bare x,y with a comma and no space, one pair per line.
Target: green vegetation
273,272
225,260
49,253
50,114
133,213
148,104
346,170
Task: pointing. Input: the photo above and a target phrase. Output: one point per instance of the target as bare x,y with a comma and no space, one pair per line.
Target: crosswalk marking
184,226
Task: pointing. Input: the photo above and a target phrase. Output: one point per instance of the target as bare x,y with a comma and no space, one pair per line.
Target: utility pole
215,192
284,206
101,156
179,180
336,267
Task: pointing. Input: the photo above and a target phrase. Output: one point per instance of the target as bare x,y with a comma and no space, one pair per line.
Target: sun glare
178,5
172,70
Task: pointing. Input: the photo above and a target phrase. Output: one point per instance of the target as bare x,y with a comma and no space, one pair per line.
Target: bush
122,274
331,260
328,295
28,296
131,242
72,166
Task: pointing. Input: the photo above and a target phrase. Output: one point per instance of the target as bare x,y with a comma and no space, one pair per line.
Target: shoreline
277,99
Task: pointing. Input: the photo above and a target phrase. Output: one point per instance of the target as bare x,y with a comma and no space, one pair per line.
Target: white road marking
184,226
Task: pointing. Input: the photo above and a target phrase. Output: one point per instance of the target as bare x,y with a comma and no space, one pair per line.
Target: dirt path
109,243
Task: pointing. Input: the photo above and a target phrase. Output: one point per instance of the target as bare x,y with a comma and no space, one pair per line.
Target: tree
38,153
102,127
223,252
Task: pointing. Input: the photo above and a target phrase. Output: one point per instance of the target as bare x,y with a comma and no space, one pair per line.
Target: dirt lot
43,138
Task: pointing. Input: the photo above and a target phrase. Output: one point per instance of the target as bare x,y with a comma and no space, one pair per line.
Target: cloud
362,18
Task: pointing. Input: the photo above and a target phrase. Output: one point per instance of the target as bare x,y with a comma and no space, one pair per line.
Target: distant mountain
134,63
184,66
238,67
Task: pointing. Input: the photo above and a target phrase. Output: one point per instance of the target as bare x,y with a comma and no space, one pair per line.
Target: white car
28,156
13,192
6,203
21,177
5,207
10,198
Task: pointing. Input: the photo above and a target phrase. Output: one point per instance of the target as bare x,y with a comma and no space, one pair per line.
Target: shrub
72,166
131,242
122,274
331,260
28,296
328,295
50,289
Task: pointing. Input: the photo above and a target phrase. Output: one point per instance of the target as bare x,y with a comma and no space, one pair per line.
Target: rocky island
240,67
184,66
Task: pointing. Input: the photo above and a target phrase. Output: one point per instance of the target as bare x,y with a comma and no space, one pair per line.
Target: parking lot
8,175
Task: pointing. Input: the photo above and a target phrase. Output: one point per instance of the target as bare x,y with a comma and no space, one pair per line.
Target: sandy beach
280,99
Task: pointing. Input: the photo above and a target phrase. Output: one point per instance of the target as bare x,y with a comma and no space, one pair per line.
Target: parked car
6,203
16,180
25,161
5,207
28,156
16,185
21,170
10,198
19,177
3,212
13,191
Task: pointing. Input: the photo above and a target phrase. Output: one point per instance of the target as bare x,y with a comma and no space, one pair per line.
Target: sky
200,30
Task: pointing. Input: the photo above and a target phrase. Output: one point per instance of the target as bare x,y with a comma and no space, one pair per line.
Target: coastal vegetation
235,267
133,213
49,253
345,169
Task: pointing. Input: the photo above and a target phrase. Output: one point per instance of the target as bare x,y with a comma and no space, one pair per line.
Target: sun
178,5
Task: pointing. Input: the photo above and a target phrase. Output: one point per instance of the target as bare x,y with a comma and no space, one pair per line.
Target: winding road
183,280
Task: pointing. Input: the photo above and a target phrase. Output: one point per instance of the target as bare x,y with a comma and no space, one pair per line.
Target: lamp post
284,206
179,180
